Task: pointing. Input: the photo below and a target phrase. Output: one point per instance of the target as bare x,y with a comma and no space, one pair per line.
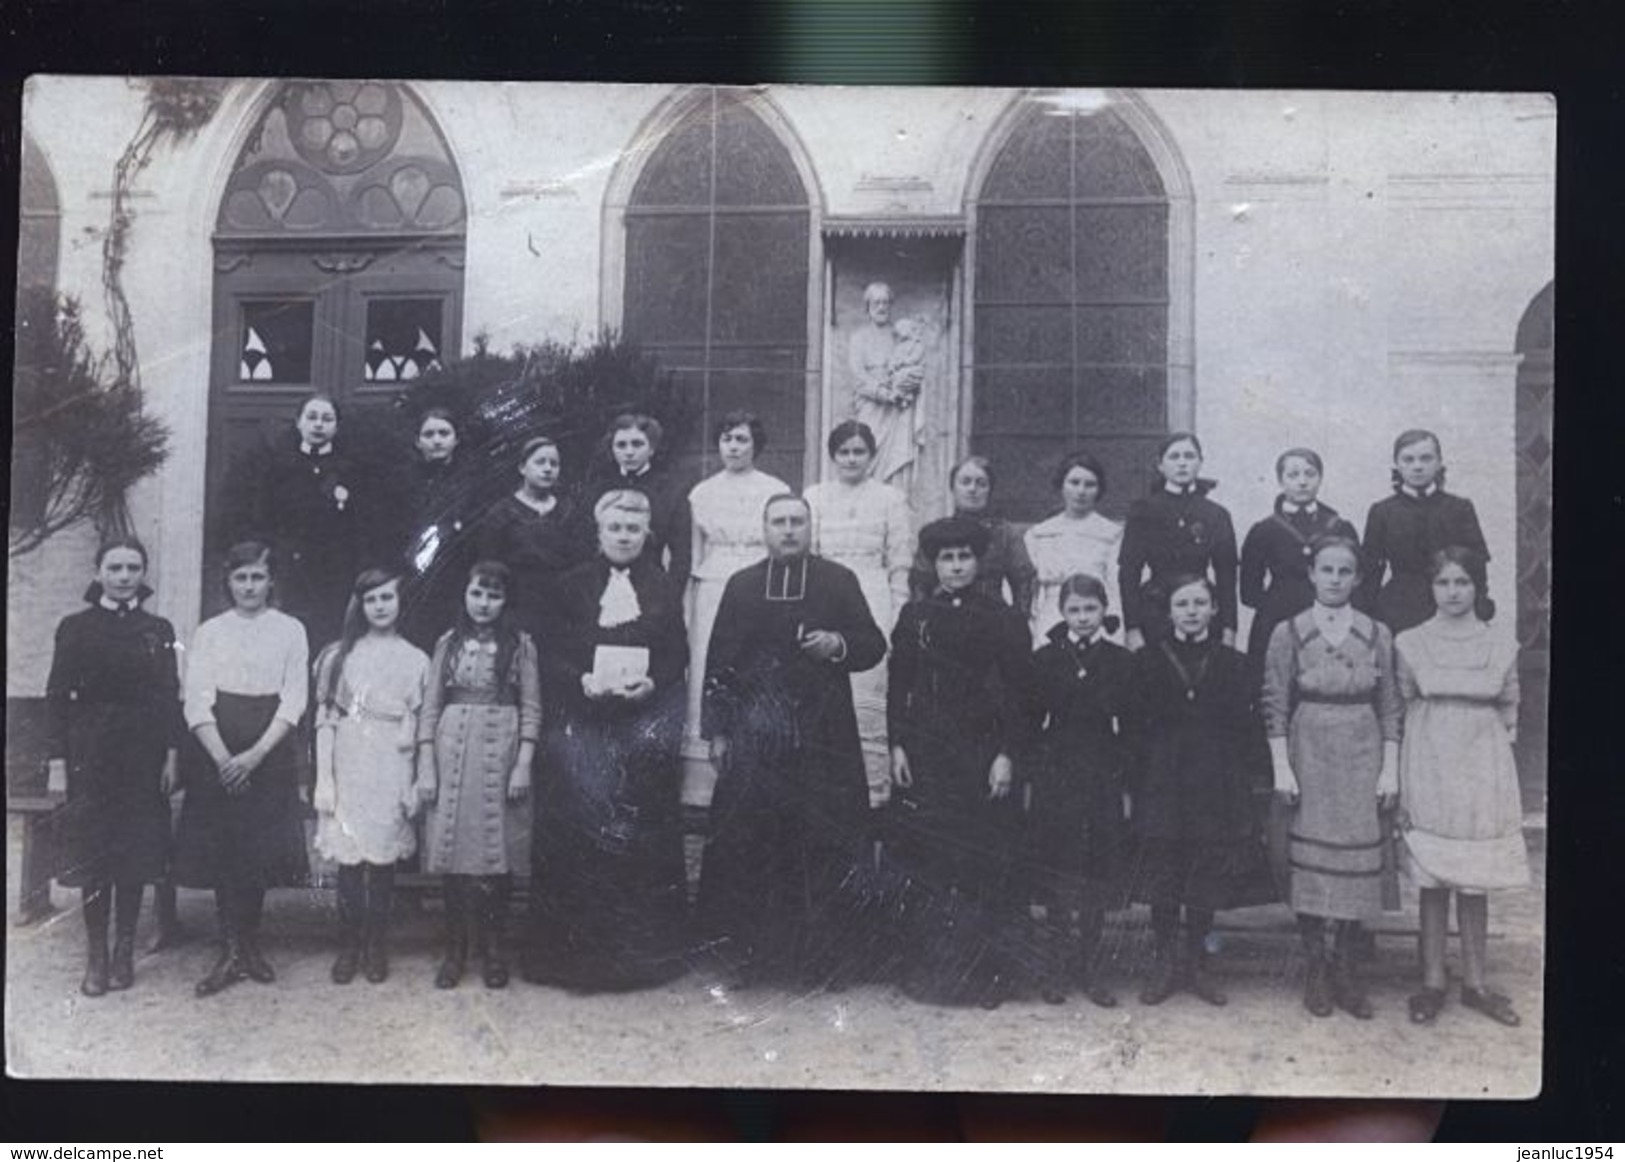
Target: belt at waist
371,714
1336,699
457,697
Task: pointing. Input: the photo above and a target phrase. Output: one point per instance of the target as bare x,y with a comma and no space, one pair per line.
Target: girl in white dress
865,525
1460,811
1078,539
369,686
727,536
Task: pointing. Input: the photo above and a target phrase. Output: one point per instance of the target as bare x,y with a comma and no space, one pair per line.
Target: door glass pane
403,339
274,345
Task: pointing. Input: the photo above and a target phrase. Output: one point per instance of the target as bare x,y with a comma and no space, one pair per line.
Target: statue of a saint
887,359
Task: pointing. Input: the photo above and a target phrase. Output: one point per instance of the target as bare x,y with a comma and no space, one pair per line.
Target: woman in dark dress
1082,684
305,497
445,500
957,719
1203,754
532,532
608,887
115,728
1405,530
1005,572
1275,556
1176,531
247,686
634,443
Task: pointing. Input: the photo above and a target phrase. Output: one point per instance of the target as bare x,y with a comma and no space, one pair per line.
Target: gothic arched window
1071,305
718,239
39,236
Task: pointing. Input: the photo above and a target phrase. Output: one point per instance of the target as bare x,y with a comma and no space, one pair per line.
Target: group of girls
1371,671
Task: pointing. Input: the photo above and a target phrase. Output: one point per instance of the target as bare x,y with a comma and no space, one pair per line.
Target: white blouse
727,511
1062,546
265,653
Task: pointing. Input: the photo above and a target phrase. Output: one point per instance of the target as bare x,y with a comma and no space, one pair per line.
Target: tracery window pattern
717,255
1070,306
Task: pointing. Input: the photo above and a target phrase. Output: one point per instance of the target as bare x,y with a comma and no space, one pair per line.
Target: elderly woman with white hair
608,893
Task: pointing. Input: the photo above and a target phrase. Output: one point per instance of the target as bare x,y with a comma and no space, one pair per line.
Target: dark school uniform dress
609,889
1336,705
539,548
1402,532
1275,561
113,704
1203,761
789,827
958,690
1168,534
438,539
1005,563
1076,824
315,510
671,527
241,673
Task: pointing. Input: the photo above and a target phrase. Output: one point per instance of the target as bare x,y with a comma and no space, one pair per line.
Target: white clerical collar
1419,493
1189,639
787,579
113,606
1310,509
308,449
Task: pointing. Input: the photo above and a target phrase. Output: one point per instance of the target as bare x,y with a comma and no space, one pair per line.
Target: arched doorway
338,257
1535,386
1075,299
718,249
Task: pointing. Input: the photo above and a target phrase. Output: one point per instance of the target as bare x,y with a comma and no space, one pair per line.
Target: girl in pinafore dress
1331,708
115,729
477,732
1460,811
369,686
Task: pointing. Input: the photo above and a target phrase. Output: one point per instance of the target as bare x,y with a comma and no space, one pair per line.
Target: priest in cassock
788,855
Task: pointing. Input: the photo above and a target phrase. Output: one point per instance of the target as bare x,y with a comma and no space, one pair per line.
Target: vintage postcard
780,587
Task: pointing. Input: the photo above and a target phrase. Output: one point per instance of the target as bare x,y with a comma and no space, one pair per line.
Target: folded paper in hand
614,666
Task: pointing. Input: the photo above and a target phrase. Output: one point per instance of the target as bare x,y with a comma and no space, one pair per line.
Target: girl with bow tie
114,735
1082,681
1176,531
1275,555
1403,531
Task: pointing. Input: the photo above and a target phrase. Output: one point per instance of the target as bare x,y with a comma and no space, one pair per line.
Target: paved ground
306,1028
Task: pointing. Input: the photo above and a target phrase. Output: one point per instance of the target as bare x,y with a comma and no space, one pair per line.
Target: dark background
1572,49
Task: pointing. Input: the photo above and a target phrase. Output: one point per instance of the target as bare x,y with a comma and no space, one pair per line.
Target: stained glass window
402,340
1071,305
276,341
717,251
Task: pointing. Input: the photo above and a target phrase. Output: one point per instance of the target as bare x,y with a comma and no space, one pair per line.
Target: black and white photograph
1014,590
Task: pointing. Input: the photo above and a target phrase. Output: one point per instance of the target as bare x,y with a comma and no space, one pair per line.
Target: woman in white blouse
727,536
246,688
861,523
1078,539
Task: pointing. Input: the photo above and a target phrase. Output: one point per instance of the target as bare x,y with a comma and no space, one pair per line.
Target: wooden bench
26,798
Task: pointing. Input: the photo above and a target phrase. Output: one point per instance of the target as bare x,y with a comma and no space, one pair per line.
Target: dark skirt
953,849
255,839
1075,847
1209,875
115,824
609,891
